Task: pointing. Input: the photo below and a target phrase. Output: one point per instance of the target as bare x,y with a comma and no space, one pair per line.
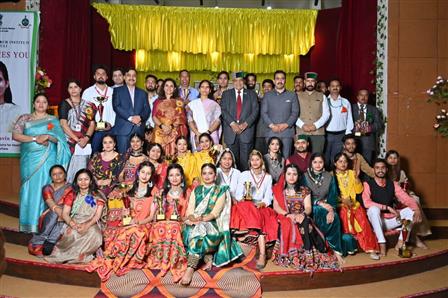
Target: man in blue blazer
132,110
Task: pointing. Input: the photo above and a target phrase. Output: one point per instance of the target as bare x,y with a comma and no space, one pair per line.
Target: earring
182,185
150,184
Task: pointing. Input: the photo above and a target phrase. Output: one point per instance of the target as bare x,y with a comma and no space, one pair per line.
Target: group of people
169,178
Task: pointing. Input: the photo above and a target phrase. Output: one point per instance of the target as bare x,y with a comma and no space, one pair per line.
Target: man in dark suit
280,110
368,124
239,112
132,110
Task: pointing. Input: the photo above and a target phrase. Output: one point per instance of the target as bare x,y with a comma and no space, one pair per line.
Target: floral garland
439,94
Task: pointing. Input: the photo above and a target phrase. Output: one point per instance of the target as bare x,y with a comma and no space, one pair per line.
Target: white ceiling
299,4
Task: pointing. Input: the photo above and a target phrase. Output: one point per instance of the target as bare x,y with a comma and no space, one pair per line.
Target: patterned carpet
238,280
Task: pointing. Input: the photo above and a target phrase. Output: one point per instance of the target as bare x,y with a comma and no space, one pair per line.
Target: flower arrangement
439,95
42,81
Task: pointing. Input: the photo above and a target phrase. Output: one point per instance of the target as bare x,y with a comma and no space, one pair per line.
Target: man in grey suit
280,110
368,124
239,113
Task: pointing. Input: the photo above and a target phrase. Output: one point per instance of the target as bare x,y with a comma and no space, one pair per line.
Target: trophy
160,208
404,251
174,216
127,218
100,125
247,191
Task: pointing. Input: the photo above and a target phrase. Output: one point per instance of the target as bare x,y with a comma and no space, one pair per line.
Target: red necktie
239,106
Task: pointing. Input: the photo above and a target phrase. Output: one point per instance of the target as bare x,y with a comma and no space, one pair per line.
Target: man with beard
367,124
251,81
280,110
223,84
103,92
314,113
301,157
299,83
358,163
118,77
132,108
151,88
185,91
379,196
341,121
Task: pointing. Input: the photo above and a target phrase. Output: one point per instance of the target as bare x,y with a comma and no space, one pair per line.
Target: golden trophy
175,215
127,218
404,251
247,191
100,125
160,210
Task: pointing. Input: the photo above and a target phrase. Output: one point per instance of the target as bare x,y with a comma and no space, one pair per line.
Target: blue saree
35,163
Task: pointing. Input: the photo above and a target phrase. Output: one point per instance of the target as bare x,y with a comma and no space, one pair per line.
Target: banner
18,42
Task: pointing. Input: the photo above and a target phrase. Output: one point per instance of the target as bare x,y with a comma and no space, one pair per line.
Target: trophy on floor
127,218
100,125
160,208
175,215
247,191
404,251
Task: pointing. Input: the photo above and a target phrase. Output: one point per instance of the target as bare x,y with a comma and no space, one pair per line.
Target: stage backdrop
18,36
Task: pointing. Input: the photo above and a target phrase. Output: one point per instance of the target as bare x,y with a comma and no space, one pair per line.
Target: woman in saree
50,221
82,216
157,158
300,245
353,216
186,160
133,158
203,115
207,232
43,145
106,165
129,247
324,199
169,117
167,252
421,229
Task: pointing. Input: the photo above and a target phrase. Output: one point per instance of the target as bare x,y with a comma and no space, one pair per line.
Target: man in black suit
132,110
368,124
239,112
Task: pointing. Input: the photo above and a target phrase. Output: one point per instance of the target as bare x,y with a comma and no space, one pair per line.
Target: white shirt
90,94
260,193
230,180
323,118
241,94
360,109
132,93
340,120
150,121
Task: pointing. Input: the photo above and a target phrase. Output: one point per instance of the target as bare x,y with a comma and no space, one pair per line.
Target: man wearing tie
367,125
239,108
132,110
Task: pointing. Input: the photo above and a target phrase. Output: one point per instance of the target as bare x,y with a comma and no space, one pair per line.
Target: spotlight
269,7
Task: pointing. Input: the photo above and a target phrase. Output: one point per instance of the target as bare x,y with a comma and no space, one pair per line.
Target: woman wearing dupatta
207,225
206,153
324,197
353,216
82,230
186,160
133,158
169,117
50,225
129,247
300,245
167,252
157,158
43,145
203,115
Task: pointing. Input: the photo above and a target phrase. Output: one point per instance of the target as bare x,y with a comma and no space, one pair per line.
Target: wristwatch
34,139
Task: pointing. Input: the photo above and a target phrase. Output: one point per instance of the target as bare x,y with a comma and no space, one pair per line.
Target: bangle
54,207
88,136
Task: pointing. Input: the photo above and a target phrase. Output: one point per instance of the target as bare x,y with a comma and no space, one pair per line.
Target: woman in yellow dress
207,154
186,160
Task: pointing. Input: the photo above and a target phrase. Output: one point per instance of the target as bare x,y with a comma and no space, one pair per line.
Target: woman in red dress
157,158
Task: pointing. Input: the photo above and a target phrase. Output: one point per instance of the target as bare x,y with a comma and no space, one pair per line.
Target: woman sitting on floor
228,174
133,158
252,219
207,225
300,245
186,160
82,233
157,158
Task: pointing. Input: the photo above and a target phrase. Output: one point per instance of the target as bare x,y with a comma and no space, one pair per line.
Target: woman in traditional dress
169,117
203,115
324,198
207,152
207,225
252,219
273,159
157,158
186,159
300,245
167,252
43,145
129,248
228,174
106,165
133,158
395,173
78,126
50,221
82,233
352,214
